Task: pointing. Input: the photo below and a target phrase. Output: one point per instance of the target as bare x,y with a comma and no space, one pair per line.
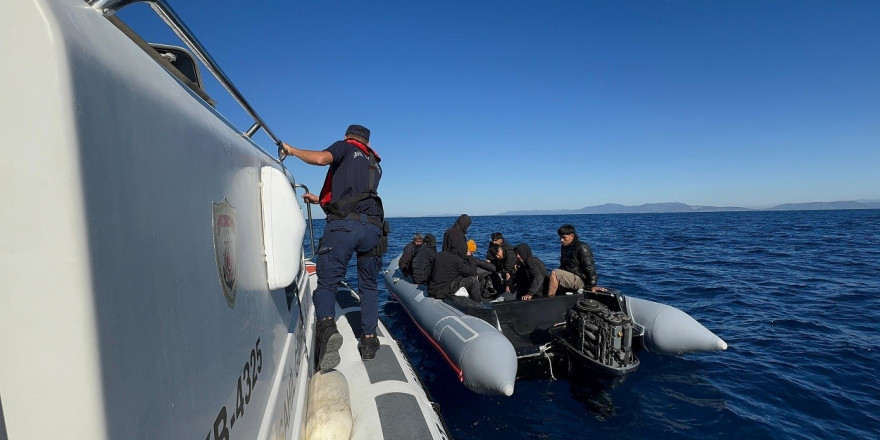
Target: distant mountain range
647,208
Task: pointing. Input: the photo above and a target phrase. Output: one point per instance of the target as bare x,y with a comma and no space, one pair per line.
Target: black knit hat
359,130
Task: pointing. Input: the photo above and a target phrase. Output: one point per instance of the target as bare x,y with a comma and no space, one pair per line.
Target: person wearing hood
409,252
531,273
423,261
453,270
455,239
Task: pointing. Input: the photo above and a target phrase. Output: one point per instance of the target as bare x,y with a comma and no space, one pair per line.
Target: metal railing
167,14
309,210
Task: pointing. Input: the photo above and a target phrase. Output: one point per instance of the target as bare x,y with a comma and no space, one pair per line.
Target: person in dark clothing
495,257
485,272
354,226
423,261
409,251
453,270
454,239
529,278
505,263
576,267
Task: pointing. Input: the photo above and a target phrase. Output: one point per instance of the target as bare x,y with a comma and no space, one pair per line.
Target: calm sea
795,294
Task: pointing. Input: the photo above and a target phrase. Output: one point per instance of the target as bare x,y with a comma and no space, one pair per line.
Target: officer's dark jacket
506,264
532,270
409,252
448,266
577,258
454,239
423,261
349,175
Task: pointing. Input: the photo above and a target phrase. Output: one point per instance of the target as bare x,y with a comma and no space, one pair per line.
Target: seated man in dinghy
501,280
423,261
409,252
501,254
454,269
531,273
576,267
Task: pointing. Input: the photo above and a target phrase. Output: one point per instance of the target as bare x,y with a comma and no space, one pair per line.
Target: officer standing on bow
355,222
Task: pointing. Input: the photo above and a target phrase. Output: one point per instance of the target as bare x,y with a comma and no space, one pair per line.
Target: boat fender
329,410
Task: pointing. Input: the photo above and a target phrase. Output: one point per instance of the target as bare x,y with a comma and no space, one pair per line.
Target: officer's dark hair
496,236
565,230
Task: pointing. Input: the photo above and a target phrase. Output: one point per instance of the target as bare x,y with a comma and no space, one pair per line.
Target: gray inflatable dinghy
483,357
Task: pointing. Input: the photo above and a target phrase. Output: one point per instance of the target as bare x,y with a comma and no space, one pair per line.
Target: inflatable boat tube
479,353
671,331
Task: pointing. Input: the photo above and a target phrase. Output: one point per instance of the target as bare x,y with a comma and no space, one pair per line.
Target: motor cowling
600,334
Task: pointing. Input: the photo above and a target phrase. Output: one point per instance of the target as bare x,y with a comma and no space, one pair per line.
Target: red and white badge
225,246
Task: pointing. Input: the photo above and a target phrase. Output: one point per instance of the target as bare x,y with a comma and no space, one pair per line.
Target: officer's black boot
329,342
368,347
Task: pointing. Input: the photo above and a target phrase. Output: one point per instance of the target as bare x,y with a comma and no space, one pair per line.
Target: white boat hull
136,301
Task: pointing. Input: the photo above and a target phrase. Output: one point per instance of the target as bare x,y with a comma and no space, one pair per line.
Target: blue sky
481,107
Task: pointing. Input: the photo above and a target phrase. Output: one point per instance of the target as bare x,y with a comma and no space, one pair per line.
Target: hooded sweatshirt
533,271
409,252
454,239
423,261
449,266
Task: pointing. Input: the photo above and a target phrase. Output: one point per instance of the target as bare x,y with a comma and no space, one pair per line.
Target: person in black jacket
454,239
355,226
576,267
505,261
423,261
409,251
453,270
530,276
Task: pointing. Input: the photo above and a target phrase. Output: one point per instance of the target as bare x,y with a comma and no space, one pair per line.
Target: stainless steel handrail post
309,210
254,128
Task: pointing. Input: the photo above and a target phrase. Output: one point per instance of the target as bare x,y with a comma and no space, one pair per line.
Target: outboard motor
599,333
598,342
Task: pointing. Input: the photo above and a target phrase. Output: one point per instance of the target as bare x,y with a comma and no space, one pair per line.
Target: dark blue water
796,295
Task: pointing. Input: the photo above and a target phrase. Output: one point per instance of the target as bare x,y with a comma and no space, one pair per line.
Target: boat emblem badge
225,246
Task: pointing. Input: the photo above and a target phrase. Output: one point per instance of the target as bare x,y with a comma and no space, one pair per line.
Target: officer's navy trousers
342,239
